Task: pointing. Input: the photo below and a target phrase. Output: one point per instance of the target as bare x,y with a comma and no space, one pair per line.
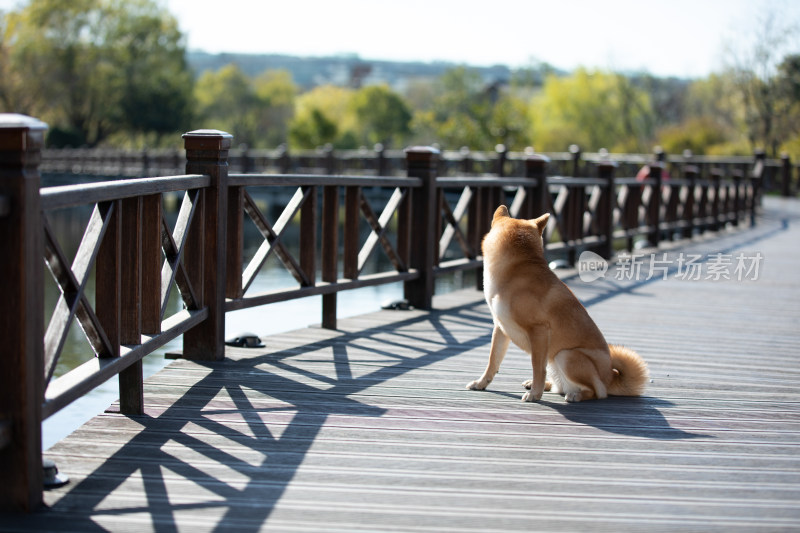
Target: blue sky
686,38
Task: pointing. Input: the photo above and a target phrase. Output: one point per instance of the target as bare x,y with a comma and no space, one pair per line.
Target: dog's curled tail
630,372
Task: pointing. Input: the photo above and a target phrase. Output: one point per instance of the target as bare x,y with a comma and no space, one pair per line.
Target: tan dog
536,310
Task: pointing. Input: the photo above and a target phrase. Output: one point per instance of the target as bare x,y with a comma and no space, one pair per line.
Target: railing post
536,168
786,175
502,157
575,150
21,313
757,179
330,252
466,160
245,162
716,178
207,153
330,159
381,168
422,162
654,208
690,173
605,171
145,162
284,159
234,243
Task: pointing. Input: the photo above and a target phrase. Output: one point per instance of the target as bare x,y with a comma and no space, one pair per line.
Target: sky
685,38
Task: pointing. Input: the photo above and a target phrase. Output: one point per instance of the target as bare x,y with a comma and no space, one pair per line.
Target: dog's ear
541,222
500,212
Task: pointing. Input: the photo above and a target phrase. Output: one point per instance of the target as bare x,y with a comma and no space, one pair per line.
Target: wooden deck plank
369,428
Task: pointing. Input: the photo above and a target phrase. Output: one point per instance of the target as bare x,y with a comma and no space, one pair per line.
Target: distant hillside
345,70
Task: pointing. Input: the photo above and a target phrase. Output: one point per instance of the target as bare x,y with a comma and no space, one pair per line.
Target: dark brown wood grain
21,314
308,236
330,251
352,199
422,164
207,153
234,242
151,264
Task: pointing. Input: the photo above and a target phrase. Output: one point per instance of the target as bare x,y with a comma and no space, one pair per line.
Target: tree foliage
350,118
461,109
95,67
382,116
763,76
323,116
255,111
592,109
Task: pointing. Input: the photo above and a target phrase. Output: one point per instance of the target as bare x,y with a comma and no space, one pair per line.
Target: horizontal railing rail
780,174
161,274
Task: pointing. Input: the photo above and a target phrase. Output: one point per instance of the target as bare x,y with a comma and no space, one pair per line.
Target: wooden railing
779,175
429,225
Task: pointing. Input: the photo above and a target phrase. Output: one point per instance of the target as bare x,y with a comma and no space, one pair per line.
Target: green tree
94,67
383,116
226,101
593,110
509,123
324,115
712,121
462,109
760,75
699,134
156,93
788,87
276,91
312,130
255,111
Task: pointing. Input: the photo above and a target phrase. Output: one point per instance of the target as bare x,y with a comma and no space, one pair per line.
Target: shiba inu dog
541,315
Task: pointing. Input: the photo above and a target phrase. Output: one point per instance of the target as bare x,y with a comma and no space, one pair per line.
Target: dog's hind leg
496,354
581,380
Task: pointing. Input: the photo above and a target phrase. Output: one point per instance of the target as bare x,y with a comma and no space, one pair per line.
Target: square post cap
20,133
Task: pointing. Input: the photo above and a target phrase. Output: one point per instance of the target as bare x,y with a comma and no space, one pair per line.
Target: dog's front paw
528,383
478,384
529,396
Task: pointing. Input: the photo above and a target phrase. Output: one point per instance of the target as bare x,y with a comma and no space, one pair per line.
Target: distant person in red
645,171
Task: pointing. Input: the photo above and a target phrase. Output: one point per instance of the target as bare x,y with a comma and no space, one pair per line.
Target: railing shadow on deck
161,449
158,445
431,225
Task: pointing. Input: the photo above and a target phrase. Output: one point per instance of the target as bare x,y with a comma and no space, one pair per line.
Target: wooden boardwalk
369,428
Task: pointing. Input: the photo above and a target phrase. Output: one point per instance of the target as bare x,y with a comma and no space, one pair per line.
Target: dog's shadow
638,416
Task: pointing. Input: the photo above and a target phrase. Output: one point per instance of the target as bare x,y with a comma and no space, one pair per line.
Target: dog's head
501,214
515,236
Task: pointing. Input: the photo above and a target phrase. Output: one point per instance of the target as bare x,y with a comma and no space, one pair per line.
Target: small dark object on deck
246,340
52,479
398,305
